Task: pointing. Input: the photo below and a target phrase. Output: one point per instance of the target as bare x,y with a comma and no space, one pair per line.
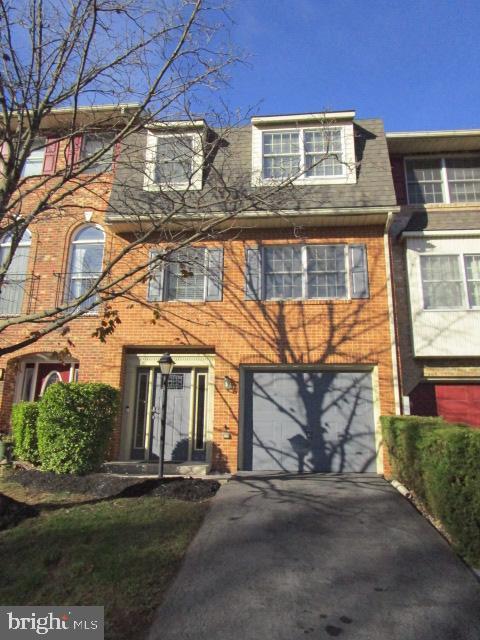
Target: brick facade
239,332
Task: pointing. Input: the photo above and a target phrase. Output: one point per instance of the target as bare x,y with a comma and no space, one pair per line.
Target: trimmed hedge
440,463
24,430
75,421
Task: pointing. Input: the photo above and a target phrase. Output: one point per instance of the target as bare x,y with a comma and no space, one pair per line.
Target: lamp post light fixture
166,365
228,383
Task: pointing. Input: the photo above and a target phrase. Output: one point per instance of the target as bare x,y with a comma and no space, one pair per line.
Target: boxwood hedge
440,463
74,425
24,431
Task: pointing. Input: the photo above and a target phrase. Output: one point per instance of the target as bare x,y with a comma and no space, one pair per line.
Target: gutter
396,370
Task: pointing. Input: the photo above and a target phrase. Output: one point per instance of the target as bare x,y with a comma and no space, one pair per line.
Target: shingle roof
374,186
444,221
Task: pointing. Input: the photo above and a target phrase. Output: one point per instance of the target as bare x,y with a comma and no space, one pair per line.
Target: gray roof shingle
232,161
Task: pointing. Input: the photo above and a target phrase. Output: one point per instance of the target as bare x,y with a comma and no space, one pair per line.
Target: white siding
451,332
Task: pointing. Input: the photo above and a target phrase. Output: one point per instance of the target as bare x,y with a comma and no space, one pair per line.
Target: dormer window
306,153
312,151
174,160
443,179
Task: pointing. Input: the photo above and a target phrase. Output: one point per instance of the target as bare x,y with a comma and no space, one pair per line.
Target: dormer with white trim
306,149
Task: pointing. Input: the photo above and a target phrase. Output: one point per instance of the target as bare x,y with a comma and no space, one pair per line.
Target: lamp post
166,365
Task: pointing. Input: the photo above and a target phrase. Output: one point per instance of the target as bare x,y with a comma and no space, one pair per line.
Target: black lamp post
166,365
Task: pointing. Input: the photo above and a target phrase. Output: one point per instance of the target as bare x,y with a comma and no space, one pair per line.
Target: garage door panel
308,421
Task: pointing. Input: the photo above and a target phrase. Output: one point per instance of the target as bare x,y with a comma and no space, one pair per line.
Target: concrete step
134,468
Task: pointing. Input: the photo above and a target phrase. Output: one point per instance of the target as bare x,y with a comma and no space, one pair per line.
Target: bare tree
115,69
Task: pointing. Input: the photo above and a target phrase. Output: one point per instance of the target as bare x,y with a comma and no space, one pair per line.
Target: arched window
52,378
13,288
86,258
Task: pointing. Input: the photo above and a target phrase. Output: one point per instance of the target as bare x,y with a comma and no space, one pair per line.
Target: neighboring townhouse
280,326
50,265
436,268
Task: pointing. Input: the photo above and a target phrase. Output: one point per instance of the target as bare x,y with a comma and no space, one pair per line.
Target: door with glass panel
185,417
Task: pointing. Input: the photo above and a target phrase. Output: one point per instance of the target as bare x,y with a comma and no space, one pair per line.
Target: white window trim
443,173
196,181
68,281
304,257
38,154
348,145
463,274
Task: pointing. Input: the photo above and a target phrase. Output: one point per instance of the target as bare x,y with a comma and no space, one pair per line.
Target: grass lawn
120,553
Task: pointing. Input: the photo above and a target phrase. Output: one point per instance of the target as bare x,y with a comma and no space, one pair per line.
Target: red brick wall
239,332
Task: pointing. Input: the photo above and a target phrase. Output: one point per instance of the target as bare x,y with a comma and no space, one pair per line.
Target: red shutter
73,145
51,153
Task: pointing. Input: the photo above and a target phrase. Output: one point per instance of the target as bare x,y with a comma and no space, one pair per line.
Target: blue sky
416,64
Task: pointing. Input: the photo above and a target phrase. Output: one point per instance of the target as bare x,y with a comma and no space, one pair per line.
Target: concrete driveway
319,556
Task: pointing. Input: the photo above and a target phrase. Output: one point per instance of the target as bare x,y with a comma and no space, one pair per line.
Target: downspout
396,371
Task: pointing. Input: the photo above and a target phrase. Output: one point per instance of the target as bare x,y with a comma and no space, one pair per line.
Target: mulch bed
98,486
104,485
93,485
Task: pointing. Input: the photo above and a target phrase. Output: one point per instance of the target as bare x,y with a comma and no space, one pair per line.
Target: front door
178,415
186,419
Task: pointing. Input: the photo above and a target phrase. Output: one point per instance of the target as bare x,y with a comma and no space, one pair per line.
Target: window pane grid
316,153
283,272
174,160
424,179
34,164
463,175
92,144
442,282
11,296
472,273
326,272
458,181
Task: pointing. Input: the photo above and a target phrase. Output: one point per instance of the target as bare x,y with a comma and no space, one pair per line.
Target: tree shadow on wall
329,426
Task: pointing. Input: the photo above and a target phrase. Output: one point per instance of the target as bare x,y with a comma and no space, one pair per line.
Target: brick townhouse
436,268
281,328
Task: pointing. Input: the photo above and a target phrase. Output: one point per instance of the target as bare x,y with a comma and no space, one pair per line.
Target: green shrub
440,463
75,422
24,429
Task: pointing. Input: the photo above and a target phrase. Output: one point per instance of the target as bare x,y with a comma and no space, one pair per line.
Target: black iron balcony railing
73,285
18,294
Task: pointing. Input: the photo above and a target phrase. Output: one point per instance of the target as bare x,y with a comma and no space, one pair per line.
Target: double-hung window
174,161
443,179
13,287
34,164
450,281
283,272
303,153
86,260
193,274
325,271
94,143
